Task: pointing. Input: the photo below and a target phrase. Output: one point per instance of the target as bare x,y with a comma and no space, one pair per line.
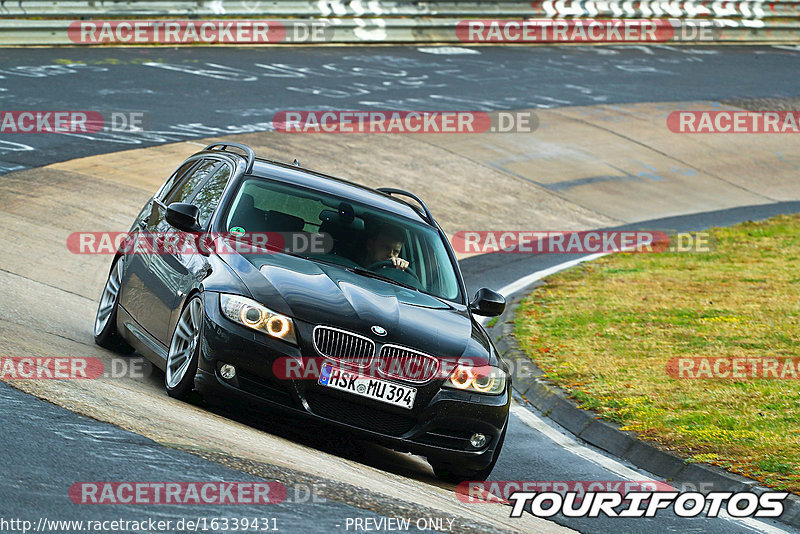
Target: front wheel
184,351
105,322
452,472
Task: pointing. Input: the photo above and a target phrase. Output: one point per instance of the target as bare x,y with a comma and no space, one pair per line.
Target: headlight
484,379
253,315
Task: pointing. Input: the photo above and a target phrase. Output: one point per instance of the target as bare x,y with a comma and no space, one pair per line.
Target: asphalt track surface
205,92
202,92
45,446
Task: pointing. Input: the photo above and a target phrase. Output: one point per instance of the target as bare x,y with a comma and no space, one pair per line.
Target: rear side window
209,194
189,184
175,178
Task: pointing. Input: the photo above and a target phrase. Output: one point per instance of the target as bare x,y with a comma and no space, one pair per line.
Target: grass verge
605,331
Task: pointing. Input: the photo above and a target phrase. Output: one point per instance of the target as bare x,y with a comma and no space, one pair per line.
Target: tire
450,472
184,351
105,321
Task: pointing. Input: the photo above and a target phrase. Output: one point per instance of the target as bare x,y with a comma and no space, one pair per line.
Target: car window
267,200
175,178
263,205
208,195
189,184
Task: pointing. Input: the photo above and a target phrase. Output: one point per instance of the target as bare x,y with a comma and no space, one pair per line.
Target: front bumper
438,427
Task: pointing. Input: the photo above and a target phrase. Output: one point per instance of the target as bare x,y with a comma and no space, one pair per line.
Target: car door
133,296
187,267
170,268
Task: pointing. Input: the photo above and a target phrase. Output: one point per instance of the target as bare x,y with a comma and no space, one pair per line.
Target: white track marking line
575,447
525,281
566,442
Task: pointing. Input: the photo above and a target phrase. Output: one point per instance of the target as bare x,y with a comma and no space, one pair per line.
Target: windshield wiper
372,274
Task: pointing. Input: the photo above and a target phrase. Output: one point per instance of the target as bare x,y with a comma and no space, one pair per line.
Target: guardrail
389,8
37,22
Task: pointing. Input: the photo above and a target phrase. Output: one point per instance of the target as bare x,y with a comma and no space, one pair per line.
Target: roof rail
251,155
393,191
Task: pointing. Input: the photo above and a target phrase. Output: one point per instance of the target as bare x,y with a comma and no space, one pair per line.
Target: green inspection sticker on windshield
238,230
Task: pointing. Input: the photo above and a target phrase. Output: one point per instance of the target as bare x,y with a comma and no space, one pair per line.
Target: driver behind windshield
384,244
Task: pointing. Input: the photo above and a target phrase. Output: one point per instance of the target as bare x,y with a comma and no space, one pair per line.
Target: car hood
323,294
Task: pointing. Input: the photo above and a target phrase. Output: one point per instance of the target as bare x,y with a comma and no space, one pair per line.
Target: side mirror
488,303
184,216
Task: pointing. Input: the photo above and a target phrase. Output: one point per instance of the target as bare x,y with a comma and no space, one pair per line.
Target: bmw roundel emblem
379,330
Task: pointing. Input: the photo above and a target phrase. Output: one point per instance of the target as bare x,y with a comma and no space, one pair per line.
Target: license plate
333,376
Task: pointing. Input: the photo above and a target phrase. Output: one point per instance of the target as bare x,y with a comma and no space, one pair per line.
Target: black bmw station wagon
359,317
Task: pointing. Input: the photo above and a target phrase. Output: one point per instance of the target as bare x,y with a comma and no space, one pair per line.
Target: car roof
293,174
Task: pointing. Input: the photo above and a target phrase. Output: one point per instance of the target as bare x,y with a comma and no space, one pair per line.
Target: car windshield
363,239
